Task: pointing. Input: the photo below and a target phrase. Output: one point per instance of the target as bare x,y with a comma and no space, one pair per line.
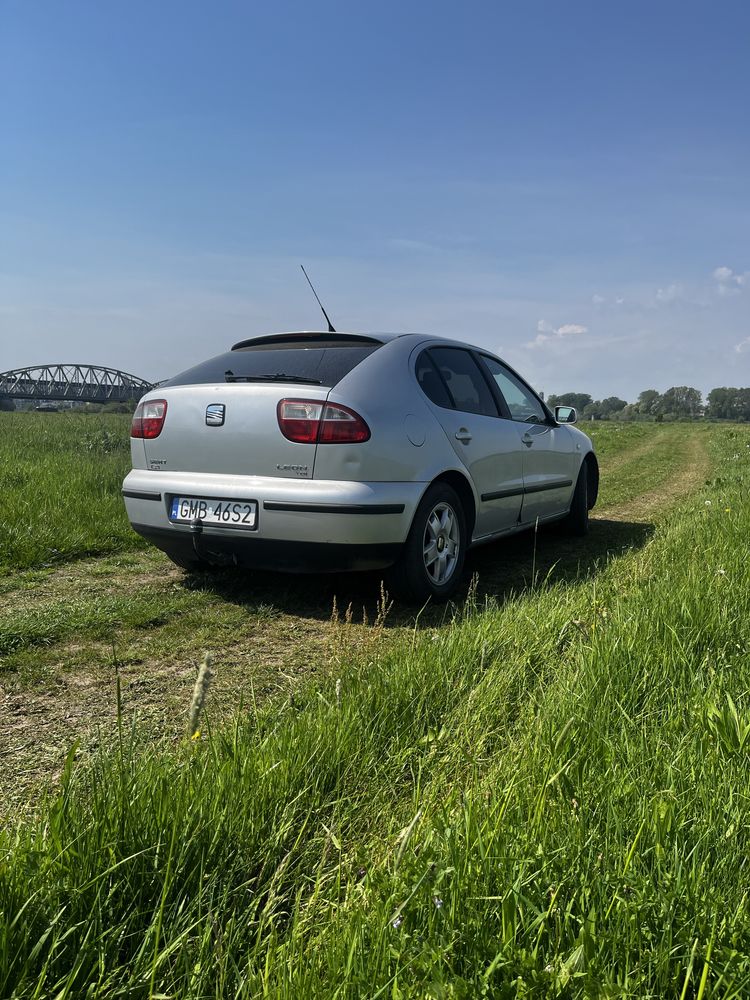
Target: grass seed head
202,683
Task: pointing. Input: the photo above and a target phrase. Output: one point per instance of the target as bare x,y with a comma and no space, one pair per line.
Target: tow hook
217,558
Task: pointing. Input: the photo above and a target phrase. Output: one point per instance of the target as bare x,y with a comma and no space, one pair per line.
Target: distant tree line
729,404
681,402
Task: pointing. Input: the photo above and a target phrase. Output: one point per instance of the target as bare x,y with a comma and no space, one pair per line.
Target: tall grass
548,798
60,479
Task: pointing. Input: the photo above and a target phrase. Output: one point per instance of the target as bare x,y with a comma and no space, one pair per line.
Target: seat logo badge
215,414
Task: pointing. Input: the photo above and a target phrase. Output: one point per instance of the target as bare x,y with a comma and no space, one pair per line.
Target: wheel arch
592,472
461,485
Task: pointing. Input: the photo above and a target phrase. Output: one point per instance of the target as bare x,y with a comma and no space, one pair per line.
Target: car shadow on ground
500,571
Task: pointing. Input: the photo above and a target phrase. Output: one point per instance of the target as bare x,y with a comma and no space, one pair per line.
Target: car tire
432,560
577,520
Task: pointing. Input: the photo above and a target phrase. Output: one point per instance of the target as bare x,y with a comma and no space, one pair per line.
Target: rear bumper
270,554
302,524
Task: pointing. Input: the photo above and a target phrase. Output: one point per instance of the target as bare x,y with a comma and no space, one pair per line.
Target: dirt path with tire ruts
692,473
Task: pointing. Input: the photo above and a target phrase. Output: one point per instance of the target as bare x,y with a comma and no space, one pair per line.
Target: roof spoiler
307,336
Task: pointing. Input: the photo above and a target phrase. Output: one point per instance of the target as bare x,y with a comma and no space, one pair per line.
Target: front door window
522,403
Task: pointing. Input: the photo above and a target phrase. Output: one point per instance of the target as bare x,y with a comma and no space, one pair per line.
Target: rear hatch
222,415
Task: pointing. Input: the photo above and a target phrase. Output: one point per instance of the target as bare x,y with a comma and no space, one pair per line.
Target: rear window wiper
229,376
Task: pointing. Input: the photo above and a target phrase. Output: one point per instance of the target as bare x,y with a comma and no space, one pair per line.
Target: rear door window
431,381
463,381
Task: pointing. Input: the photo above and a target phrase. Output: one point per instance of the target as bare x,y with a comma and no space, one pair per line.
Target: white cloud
546,332
729,282
669,294
743,346
540,339
600,300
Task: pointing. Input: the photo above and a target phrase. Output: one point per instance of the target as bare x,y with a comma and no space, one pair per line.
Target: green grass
87,615
60,479
547,797
634,454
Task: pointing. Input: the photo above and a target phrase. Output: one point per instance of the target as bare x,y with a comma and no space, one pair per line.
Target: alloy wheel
442,538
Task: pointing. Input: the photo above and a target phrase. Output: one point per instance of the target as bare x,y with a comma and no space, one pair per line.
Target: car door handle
462,434
528,440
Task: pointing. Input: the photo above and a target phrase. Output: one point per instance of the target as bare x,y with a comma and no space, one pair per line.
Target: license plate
211,510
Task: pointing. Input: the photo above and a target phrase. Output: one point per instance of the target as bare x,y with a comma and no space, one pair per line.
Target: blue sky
566,184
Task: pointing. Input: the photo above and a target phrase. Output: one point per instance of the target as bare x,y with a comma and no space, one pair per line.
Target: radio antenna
331,328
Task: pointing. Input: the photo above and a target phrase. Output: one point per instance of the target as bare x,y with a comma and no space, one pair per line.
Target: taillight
148,419
307,421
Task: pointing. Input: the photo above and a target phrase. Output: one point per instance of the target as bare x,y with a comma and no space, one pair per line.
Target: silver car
335,451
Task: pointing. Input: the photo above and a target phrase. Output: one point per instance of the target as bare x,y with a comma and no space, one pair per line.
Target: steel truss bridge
84,383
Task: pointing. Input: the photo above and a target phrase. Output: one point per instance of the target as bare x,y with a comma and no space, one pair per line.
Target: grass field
60,478
541,792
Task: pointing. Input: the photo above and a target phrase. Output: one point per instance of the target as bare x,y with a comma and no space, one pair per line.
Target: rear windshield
326,362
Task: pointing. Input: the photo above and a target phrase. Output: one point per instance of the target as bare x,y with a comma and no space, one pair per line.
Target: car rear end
225,458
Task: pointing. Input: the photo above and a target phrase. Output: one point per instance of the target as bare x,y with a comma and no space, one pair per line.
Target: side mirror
566,414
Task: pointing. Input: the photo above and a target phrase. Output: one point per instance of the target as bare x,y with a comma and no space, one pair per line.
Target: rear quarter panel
407,443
